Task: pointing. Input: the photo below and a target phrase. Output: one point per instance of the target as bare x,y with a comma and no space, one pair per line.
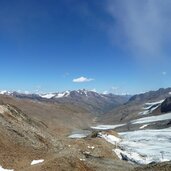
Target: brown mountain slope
57,117
23,139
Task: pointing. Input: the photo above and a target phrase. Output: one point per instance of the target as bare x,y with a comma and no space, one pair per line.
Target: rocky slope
23,139
135,107
166,105
60,118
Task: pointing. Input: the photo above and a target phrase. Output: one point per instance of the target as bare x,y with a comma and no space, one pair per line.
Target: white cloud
82,80
140,26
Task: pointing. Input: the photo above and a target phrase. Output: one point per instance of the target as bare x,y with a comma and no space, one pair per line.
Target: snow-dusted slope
150,107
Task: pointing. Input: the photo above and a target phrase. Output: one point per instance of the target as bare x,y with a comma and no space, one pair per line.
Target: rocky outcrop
166,105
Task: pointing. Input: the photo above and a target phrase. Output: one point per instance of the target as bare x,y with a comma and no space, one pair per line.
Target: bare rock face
166,105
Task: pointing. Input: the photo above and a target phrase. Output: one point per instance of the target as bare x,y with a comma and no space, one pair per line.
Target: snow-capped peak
55,95
63,94
5,92
47,96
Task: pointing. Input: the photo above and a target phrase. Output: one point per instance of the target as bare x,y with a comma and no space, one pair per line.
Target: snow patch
64,94
110,138
150,107
2,169
78,136
144,126
91,147
82,159
37,161
106,127
56,95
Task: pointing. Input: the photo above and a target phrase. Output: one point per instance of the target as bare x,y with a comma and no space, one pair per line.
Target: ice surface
153,145
142,146
131,156
152,119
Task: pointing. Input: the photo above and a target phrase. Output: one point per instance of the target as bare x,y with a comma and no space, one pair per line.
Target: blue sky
108,45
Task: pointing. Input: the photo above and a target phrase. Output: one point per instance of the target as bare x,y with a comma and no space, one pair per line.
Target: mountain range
94,102
37,126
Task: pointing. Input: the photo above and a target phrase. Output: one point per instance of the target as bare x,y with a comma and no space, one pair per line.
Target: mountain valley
39,127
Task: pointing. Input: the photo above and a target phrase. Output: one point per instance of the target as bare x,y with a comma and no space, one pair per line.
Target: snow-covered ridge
56,95
66,94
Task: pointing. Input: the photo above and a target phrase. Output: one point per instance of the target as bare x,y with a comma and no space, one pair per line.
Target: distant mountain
152,102
150,96
93,102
